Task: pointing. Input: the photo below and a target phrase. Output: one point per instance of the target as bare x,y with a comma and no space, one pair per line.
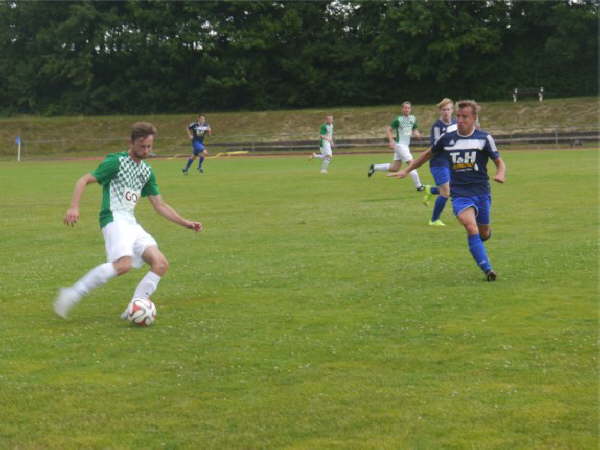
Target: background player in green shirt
399,133
125,178
326,144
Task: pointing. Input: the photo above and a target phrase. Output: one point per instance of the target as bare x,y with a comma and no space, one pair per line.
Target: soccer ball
141,311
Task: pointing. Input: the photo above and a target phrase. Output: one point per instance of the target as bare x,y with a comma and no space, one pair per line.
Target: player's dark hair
142,130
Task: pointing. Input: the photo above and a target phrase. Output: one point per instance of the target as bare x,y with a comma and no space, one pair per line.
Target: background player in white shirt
326,144
399,133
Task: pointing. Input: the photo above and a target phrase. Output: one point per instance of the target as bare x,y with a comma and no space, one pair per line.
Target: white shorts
123,238
326,148
402,153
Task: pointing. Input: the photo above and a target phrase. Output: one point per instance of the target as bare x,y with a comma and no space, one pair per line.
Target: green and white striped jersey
325,130
124,182
403,127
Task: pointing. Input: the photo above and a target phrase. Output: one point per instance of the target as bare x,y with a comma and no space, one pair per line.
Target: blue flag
18,140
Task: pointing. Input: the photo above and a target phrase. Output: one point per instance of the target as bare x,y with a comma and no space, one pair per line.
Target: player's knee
160,265
485,234
471,228
123,265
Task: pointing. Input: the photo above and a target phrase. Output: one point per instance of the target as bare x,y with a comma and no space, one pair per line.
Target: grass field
314,312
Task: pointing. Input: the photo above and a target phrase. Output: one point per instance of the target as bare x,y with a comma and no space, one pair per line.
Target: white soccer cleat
65,300
324,172
125,314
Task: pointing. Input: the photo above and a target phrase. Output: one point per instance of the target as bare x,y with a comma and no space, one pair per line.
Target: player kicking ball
468,150
125,178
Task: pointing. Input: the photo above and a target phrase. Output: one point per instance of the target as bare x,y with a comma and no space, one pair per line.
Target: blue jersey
198,130
468,157
437,129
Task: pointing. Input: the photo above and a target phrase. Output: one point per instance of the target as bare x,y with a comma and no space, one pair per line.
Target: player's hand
196,226
500,178
71,217
392,145
399,174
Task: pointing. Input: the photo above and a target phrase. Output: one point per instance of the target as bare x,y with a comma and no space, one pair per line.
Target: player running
326,144
196,132
438,165
468,150
399,133
125,178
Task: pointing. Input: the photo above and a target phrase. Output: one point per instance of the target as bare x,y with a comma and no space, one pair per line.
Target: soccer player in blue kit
468,150
196,132
438,165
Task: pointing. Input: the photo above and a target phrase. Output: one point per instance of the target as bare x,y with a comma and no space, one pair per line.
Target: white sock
415,177
147,286
95,278
325,163
382,167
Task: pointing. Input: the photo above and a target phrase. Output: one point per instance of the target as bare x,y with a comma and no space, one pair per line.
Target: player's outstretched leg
68,297
378,168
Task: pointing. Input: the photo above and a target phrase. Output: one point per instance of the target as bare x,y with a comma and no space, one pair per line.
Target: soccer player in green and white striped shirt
399,133
326,144
125,178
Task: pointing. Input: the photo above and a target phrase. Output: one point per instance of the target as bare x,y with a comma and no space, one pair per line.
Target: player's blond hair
469,104
445,101
142,130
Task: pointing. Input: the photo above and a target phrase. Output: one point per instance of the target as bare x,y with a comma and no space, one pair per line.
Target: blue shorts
198,147
441,174
481,203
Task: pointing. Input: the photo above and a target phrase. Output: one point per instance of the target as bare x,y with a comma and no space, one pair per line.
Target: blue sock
479,253
189,163
434,190
438,207
200,161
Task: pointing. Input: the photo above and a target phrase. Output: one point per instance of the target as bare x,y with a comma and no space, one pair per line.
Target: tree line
96,57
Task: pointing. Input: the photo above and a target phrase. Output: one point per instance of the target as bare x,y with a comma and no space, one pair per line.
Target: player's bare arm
169,213
500,176
390,136
72,215
414,164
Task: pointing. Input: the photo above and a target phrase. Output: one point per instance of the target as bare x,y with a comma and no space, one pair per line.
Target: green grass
52,136
313,312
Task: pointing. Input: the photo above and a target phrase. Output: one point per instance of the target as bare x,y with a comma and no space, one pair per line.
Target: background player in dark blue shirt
468,151
438,165
196,132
